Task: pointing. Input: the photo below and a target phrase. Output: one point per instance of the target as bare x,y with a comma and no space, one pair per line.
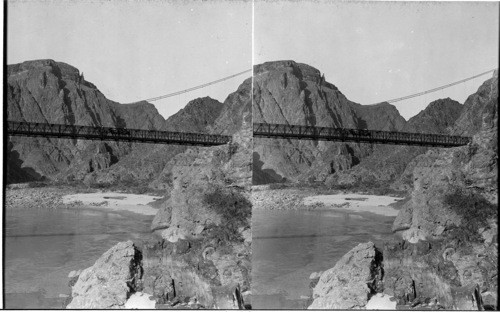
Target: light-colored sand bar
115,201
356,202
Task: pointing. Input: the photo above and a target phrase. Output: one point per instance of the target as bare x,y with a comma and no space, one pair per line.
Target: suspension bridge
34,129
281,131
262,130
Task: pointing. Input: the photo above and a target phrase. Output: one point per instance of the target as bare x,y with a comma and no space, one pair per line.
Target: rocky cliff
448,256
450,224
146,163
55,92
478,106
209,210
392,164
286,92
470,170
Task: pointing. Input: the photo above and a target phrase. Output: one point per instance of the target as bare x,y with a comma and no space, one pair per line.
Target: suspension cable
438,88
197,87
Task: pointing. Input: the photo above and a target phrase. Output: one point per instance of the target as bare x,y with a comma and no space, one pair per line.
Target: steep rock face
438,117
448,257
221,172
383,116
478,106
236,113
286,92
16,172
351,282
200,269
208,207
235,119
110,281
198,115
209,211
451,223
145,162
205,170
55,92
444,273
387,163
470,169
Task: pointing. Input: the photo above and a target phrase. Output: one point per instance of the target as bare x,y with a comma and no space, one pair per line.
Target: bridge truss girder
355,135
114,134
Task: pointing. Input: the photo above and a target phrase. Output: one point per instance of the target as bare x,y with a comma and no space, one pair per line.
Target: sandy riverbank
306,199
114,201
356,203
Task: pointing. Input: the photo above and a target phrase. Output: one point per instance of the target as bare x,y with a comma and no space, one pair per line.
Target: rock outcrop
447,258
55,92
477,107
389,164
200,270
445,273
450,224
110,281
286,92
351,282
468,171
205,250
146,164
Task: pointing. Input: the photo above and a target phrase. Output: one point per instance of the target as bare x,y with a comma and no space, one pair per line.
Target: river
43,246
287,246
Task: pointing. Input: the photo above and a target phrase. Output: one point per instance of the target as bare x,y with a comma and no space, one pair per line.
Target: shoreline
298,199
136,203
50,197
353,202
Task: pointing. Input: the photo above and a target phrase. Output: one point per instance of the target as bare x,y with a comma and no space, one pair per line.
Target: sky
372,51
383,50
135,50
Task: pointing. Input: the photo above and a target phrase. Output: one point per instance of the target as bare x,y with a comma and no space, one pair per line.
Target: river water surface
287,246
43,246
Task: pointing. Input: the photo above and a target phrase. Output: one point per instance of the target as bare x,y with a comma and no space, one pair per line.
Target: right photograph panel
375,155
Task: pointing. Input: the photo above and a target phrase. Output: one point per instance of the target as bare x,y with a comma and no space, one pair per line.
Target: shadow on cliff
16,173
263,176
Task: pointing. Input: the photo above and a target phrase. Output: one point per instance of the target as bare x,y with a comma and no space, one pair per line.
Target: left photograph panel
128,155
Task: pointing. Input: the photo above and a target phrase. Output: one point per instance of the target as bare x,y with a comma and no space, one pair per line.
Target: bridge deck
356,135
115,134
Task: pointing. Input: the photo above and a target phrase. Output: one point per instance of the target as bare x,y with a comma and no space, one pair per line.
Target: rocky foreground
187,278
203,256
448,255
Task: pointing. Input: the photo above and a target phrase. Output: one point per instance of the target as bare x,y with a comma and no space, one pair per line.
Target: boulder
351,282
469,171
110,281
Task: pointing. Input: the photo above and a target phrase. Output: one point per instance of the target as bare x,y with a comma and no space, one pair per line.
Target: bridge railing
117,134
356,135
